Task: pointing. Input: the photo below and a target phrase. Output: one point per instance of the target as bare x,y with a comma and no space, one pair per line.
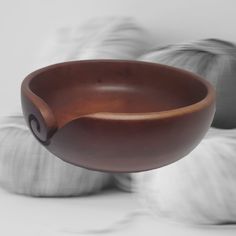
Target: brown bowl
115,115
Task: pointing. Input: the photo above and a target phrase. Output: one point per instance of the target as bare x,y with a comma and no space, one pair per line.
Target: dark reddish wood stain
115,115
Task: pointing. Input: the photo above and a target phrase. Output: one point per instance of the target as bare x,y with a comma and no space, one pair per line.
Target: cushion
98,38
213,59
200,188
26,167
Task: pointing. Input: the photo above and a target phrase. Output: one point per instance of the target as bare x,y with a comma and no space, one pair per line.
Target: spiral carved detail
37,130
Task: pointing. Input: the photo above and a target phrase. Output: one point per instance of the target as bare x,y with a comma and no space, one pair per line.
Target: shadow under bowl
117,115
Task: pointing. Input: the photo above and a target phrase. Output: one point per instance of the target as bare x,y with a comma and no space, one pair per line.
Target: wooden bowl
115,115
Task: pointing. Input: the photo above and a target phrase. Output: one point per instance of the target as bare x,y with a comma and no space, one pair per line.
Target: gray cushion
213,59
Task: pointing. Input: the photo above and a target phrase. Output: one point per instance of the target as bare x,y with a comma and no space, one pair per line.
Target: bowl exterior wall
130,145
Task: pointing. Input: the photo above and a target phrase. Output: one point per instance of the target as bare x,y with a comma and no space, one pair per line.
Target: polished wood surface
114,115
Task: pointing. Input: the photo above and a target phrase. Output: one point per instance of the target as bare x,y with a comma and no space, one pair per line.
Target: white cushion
98,38
26,167
200,188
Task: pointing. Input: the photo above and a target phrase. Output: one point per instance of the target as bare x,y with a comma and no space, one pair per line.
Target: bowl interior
85,87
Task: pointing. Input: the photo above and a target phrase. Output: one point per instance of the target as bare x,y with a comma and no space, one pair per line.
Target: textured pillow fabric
99,38
123,181
200,188
28,168
213,59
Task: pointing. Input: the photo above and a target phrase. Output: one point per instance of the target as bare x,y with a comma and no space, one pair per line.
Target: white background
25,23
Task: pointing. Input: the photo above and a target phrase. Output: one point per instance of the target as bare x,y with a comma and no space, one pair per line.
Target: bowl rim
203,103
